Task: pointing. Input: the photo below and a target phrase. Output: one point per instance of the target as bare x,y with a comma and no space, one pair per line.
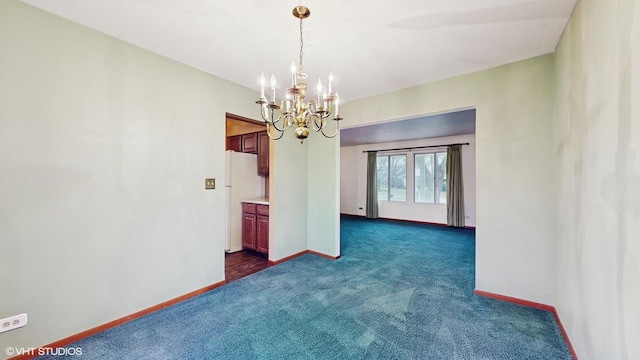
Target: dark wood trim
565,335
79,336
330,257
513,300
242,118
534,305
276,262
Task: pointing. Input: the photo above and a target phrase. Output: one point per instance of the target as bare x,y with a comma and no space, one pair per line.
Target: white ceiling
372,47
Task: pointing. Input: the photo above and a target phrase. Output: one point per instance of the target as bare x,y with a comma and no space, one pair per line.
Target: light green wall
287,197
323,189
304,196
597,166
103,151
514,193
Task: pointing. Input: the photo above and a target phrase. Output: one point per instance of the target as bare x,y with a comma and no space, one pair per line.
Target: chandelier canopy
293,111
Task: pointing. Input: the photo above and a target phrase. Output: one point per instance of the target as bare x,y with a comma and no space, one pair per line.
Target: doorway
246,179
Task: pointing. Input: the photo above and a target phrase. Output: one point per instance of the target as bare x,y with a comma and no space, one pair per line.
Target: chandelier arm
317,122
327,112
282,117
272,119
313,105
274,137
335,133
266,114
288,120
264,117
289,102
329,109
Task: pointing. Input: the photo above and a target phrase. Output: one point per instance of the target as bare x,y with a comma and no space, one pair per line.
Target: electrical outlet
209,184
13,322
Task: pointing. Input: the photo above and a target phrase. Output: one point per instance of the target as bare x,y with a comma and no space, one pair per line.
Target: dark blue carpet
400,291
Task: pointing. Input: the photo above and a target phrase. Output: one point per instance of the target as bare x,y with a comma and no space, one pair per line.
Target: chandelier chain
301,45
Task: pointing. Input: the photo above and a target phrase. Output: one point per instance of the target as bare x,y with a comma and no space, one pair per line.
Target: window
391,177
430,178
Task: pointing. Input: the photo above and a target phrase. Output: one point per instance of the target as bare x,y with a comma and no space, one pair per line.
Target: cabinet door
262,234
263,153
234,143
249,231
250,143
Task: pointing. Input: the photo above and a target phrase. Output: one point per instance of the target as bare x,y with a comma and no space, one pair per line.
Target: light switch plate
209,184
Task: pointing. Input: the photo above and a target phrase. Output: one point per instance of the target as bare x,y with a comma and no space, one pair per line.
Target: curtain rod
415,147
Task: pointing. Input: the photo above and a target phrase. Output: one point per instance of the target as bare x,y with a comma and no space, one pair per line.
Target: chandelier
293,111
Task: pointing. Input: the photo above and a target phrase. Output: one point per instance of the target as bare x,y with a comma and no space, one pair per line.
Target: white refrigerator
242,182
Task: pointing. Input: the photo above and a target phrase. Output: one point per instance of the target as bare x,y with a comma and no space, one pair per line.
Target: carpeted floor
399,291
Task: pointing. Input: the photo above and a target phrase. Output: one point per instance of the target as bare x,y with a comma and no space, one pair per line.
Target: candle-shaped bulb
319,88
337,100
273,88
273,82
293,74
330,82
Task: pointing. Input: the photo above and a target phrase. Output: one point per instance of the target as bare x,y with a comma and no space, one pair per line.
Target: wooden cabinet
249,231
263,153
250,143
247,143
234,143
255,227
262,229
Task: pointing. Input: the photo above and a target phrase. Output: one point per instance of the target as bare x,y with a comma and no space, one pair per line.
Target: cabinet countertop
261,201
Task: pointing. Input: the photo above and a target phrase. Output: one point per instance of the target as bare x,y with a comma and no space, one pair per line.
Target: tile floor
242,263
